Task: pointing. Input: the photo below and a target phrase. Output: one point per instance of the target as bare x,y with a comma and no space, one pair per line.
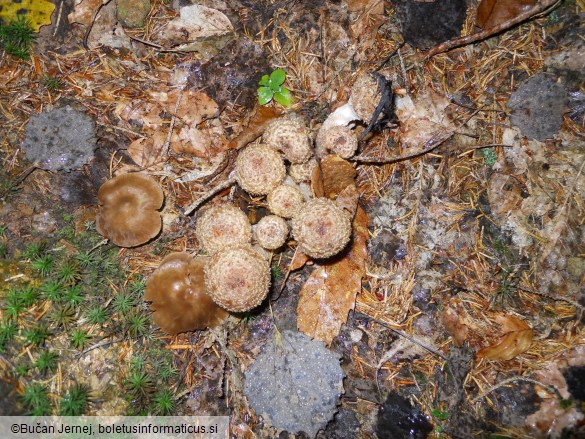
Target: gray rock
537,106
60,139
295,384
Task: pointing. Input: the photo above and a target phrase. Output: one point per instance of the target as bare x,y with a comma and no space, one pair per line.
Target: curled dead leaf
147,151
337,174
517,338
491,13
453,318
330,291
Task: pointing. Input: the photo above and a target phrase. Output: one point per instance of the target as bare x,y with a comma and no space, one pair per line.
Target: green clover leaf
265,95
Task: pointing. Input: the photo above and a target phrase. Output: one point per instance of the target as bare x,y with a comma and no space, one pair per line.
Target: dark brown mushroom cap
177,292
237,279
128,207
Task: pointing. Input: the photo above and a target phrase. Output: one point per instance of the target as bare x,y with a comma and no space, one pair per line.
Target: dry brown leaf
517,338
317,182
298,261
348,199
423,119
454,317
337,174
146,151
491,13
255,127
330,291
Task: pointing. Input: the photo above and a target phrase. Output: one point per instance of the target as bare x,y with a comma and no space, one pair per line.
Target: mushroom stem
207,195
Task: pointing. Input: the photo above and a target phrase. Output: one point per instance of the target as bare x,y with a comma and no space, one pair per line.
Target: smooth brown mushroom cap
237,279
321,228
177,292
223,225
128,207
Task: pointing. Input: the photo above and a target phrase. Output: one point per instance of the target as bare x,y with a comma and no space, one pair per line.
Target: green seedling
75,402
52,83
79,339
44,265
96,315
17,37
7,332
46,362
164,402
36,399
53,290
37,335
137,325
271,88
63,316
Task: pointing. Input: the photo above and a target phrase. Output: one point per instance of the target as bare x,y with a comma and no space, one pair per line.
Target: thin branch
430,146
206,196
539,8
514,379
412,339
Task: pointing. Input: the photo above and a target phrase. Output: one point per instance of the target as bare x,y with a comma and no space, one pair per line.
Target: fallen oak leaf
330,291
517,338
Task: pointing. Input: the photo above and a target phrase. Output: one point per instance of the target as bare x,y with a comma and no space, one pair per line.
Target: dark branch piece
539,8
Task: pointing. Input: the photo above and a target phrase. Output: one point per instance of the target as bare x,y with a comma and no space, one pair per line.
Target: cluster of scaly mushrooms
188,293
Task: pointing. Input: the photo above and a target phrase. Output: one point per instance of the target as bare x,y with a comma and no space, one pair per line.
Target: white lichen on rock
295,384
60,139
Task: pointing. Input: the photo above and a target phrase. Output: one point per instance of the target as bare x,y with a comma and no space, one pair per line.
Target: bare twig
412,339
539,8
429,146
511,380
206,196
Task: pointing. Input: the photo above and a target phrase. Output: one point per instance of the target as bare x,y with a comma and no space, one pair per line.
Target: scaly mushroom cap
223,225
237,279
321,228
289,135
340,139
271,232
128,207
259,169
177,292
302,172
285,201
365,96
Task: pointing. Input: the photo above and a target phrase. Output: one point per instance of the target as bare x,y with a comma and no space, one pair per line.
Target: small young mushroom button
223,225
